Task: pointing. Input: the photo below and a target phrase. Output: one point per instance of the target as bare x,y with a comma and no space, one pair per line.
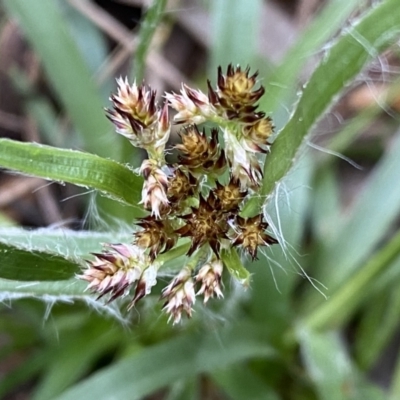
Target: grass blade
193,353
375,32
65,242
341,305
27,265
68,289
363,228
331,370
283,80
148,27
240,383
82,169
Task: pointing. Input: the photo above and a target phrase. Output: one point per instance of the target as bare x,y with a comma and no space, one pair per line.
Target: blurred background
321,318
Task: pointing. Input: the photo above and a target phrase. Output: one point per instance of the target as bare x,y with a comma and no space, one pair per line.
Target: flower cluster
198,198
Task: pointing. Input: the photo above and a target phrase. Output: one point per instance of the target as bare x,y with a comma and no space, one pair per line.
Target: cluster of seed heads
199,197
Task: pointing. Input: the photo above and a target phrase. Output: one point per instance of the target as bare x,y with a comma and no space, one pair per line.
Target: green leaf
65,242
235,266
240,383
148,27
331,370
66,69
283,80
340,306
27,265
377,326
74,357
375,32
83,169
275,278
363,228
66,290
163,364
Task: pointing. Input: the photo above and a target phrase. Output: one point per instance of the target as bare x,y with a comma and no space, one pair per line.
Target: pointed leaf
27,265
83,169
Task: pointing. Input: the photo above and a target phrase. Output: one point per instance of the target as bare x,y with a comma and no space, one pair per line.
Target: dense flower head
116,270
136,116
197,152
204,225
236,88
181,186
179,296
155,235
229,197
198,198
193,106
209,276
244,164
154,192
250,234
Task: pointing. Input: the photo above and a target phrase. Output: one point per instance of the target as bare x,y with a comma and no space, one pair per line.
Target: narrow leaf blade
83,169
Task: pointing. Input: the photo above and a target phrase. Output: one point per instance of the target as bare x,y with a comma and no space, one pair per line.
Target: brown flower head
229,197
236,88
197,152
115,270
155,235
204,225
250,233
179,296
181,186
210,277
257,134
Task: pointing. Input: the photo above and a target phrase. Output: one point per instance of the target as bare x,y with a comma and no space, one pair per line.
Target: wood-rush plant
199,197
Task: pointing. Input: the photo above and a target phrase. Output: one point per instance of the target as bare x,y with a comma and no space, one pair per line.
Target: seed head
154,192
210,277
181,186
204,225
147,280
257,134
193,106
236,88
156,235
115,270
136,116
250,233
229,197
198,153
179,296
243,164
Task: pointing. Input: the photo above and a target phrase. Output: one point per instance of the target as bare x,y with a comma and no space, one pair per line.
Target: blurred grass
248,348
